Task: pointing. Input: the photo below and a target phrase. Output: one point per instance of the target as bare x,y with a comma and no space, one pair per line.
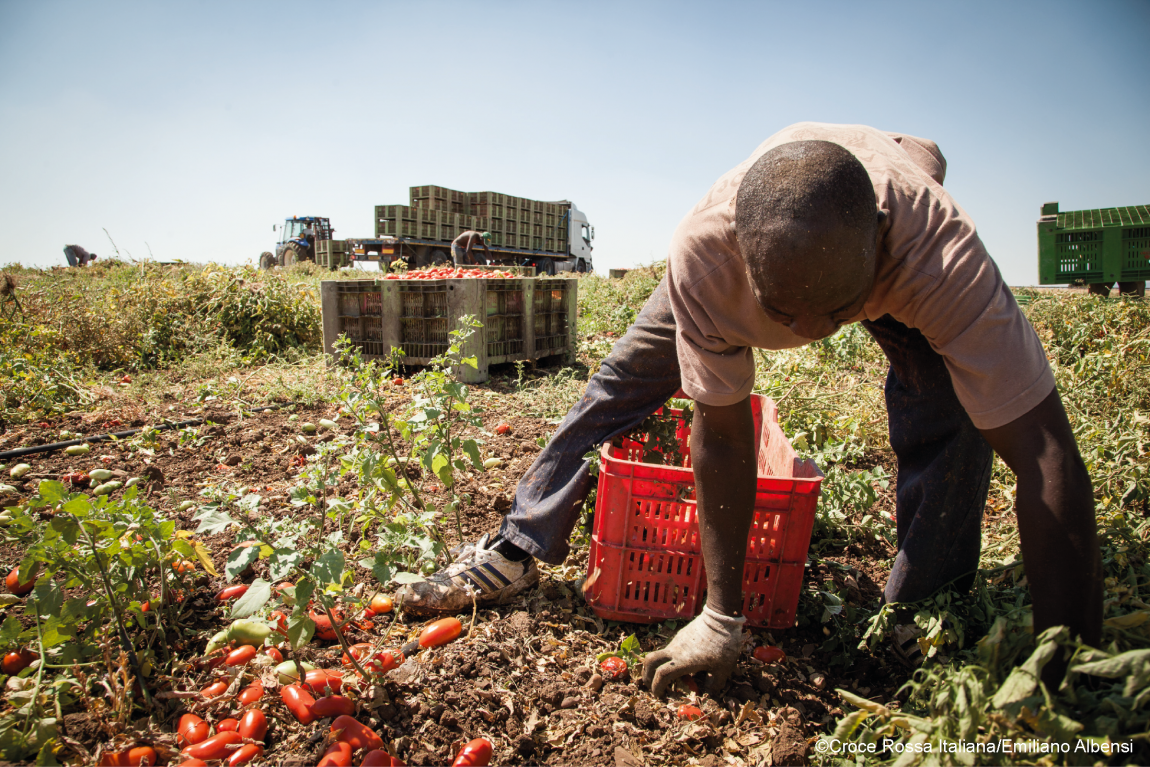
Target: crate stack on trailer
1095,247
441,214
522,318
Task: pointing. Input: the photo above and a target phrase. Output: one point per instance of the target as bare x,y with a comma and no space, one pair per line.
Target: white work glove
712,642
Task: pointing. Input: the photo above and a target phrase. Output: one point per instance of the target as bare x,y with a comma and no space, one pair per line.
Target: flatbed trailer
364,252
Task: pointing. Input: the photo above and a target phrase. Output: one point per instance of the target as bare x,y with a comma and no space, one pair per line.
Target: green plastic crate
1100,246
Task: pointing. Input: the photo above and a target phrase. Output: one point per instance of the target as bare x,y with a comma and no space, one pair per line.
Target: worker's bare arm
1055,506
723,456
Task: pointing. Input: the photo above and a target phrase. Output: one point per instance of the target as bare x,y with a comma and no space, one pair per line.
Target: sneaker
479,571
904,642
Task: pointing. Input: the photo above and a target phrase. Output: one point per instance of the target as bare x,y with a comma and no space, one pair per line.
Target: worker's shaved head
807,224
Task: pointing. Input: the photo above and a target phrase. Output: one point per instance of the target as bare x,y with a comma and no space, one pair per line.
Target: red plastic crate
646,563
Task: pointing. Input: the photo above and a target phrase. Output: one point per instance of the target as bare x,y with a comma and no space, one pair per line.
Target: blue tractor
299,236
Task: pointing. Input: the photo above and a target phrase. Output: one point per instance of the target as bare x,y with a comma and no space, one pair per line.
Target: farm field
361,478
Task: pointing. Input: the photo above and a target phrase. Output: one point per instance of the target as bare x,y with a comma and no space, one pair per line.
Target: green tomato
100,475
216,642
107,487
326,423
249,632
287,673
19,470
77,449
186,505
307,428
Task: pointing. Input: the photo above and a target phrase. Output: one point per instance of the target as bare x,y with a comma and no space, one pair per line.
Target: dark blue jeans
943,461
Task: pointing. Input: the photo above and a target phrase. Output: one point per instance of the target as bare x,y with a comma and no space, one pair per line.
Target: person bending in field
77,256
822,226
461,247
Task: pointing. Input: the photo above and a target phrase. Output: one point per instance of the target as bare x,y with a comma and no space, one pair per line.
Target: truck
301,236
550,236
1095,248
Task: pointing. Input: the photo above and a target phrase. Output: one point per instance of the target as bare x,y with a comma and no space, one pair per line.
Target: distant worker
462,245
77,256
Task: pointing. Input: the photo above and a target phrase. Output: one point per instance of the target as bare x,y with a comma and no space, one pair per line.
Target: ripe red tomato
613,668
332,705
769,654
253,725
323,681
14,584
440,632
689,713
298,701
477,753
192,730
274,654
228,725
17,661
253,692
397,381
215,747
244,754
348,730
323,628
337,755
241,655
232,592
381,603
503,428
214,690
138,756
379,758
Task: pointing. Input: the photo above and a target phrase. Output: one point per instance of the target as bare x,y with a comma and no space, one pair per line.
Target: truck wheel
1136,289
438,258
267,260
581,266
1097,289
546,266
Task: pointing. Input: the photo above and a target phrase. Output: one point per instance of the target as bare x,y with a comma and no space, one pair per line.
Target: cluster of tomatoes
449,273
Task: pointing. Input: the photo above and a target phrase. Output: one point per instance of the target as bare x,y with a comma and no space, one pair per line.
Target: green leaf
253,599
381,567
860,702
53,491
404,578
328,568
282,562
240,559
9,631
214,521
471,447
304,588
47,598
631,646
300,631
847,726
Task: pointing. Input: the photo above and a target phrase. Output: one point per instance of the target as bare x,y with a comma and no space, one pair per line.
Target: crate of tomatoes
523,318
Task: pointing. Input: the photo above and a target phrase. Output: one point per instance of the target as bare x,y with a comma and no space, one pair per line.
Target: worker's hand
711,642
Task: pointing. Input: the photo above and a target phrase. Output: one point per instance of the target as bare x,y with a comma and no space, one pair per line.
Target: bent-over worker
821,226
77,256
461,247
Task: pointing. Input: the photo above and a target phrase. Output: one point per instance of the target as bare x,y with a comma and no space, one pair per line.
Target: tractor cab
298,237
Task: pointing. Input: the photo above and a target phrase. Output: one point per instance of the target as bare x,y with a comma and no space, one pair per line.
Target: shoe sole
502,596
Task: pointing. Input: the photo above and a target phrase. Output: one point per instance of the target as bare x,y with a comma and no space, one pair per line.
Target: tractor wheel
294,254
1098,289
1135,289
267,260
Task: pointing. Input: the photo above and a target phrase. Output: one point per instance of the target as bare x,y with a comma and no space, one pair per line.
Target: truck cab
581,233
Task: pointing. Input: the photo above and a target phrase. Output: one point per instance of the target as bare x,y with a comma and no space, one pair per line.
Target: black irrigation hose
22,451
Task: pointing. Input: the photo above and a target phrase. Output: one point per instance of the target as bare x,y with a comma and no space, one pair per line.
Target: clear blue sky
191,128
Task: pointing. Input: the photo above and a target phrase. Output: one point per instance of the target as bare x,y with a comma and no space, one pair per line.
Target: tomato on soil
613,668
232,592
397,382
503,428
228,725
138,756
252,693
323,681
477,753
769,654
337,755
348,730
253,725
214,690
274,654
18,588
193,763
244,754
440,632
215,747
16,661
192,730
689,713
331,706
299,702
378,758
381,603
241,655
